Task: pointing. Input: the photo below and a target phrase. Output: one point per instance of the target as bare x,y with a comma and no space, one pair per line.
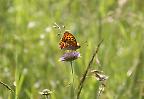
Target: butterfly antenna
58,27
63,27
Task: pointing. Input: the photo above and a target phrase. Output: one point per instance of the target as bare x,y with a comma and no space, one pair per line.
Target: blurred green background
29,51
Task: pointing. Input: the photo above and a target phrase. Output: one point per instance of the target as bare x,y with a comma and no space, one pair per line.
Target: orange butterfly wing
68,42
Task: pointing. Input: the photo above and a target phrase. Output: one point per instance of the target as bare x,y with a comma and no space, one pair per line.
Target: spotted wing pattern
68,42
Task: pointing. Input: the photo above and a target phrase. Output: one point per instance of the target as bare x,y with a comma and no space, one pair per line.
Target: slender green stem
80,86
7,86
46,96
72,72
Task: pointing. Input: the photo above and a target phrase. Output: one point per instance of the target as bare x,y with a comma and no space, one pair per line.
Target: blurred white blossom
37,84
42,36
31,24
6,72
121,2
11,9
42,43
25,71
48,29
14,83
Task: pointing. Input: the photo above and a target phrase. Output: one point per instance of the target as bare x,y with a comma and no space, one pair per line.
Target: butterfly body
68,42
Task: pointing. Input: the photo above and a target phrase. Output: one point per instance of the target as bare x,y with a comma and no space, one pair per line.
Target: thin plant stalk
72,72
46,97
7,86
86,71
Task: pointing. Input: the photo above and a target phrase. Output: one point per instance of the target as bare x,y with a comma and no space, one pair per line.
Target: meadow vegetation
29,50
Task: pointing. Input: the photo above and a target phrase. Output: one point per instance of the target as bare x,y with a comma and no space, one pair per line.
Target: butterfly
68,42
